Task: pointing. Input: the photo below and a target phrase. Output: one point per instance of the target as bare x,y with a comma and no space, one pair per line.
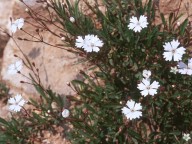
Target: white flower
137,25
146,74
185,69
174,70
89,44
16,103
92,43
65,113
132,110
72,19
186,137
147,88
172,50
15,67
17,24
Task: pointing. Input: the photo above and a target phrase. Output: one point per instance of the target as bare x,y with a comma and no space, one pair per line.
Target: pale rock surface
56,66
168,6
6,7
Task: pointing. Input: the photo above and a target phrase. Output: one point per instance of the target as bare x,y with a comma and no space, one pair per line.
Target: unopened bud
72,19
27,10
178,23
173,86
62,38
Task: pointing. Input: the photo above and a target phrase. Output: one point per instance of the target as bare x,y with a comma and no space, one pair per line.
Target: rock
56,66
168,6
3,41
6,7
5,14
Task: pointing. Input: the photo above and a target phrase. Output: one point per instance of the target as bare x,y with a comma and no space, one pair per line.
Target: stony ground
56,66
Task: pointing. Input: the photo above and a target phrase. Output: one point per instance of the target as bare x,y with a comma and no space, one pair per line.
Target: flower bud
72,19
65,113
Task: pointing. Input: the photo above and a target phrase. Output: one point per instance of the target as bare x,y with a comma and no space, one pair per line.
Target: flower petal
141,86
13,27
131,26
134,115
20,23
168,56
181,65
145,92
137,28
155,85
137,106
125,110
152,92
167,47
130,104
79,42
175,44
11,101
177,57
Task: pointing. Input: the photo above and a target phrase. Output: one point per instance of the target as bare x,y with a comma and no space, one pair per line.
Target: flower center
92,45
148,87
132,110
17,103
138,24
173,51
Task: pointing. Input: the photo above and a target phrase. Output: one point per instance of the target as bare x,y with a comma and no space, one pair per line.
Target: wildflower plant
140,91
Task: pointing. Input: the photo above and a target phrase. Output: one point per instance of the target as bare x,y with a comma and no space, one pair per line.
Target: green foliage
97,112
82,25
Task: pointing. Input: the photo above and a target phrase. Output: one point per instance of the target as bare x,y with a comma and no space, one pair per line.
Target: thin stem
40,40
26,111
